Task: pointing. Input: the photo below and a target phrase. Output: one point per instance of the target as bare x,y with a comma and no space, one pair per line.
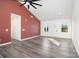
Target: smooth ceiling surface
53,9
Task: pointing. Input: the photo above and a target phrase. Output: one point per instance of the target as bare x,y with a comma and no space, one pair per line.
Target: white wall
55,28
15,26
75,25
53,9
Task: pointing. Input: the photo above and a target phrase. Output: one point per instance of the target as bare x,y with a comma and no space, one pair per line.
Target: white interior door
15,26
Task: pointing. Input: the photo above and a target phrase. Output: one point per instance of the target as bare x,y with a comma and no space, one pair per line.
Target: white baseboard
57,37
29,38
5,43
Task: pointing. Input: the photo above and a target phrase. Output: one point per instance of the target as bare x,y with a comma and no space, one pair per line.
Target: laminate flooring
39,47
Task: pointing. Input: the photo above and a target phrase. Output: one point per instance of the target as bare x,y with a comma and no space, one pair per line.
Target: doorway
15,26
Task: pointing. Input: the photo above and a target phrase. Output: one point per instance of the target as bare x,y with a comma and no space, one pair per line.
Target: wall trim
56,37
5,43
29,38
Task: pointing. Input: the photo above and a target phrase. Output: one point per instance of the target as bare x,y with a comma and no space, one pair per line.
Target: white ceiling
53,9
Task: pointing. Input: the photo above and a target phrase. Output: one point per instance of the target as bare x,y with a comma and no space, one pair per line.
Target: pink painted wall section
31,26
4,24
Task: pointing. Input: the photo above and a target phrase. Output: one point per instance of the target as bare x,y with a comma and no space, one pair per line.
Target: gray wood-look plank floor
39,47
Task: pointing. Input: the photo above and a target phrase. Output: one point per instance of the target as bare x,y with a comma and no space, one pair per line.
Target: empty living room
39,29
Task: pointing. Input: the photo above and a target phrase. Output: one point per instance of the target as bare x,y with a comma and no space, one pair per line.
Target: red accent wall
31,26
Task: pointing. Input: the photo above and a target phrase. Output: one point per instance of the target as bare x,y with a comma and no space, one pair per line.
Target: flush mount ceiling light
30,2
